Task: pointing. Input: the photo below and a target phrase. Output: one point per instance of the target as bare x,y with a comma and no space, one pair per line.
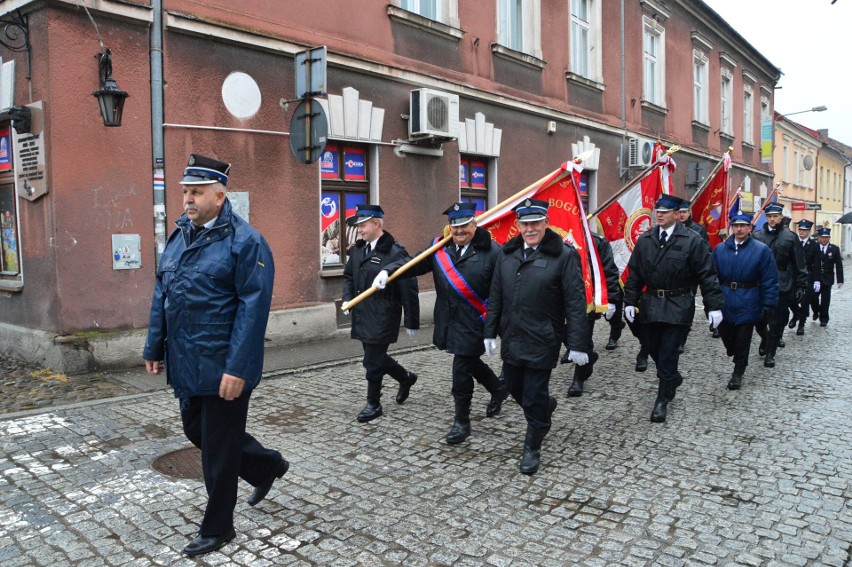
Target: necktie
369,250
663,236
459,251
527,252
193,232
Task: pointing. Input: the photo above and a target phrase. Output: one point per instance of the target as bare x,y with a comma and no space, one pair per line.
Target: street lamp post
821,108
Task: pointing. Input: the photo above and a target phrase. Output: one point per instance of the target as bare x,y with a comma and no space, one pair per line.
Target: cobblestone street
758,477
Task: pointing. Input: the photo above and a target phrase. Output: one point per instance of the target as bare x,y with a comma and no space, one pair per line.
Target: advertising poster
354,164
477,175
330,163
5,149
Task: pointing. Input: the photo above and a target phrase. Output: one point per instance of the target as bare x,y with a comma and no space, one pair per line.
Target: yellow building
795,156
831,170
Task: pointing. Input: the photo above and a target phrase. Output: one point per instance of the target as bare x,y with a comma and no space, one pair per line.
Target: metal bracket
16,34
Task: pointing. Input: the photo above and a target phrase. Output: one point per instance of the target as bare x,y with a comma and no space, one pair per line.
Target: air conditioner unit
640,152
434,114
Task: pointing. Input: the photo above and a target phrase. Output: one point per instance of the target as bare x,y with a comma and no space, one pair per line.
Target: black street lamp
110,97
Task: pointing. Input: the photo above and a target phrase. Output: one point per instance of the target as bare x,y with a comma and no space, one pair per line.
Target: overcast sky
811,42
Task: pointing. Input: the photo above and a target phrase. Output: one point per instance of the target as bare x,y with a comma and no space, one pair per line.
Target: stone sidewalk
759,477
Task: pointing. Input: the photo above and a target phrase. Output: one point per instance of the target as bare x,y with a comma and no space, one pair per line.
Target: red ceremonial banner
625,219
709,208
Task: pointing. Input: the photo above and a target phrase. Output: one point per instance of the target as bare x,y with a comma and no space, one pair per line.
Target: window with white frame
727,122
785,172
700,65
585,39
653,62
748,115
519,25
444,11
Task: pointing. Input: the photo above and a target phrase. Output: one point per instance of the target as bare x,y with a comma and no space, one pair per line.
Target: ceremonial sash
458,282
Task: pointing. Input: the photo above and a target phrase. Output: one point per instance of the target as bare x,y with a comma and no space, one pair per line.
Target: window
785,173
427,8
727,125
10,262
474,181
748,113
344,169
519,25
653,62
585,39
699,79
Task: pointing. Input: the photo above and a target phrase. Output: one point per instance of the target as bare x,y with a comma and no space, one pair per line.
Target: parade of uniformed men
462,272
749,279
375,321
536,291
830,266
613,290
207,325
810,248
792,280
667,261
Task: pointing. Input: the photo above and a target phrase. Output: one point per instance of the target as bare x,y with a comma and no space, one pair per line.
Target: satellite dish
808,163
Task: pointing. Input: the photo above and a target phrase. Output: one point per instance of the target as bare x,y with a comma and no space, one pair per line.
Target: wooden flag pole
631,183
347,305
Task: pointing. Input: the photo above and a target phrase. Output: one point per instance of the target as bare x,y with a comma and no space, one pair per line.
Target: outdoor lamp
110,97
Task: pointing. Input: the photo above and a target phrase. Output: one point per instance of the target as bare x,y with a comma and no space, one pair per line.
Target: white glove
381,280
411,332
839,286
578,358
816,287
630,312
490,346
715,317
610,311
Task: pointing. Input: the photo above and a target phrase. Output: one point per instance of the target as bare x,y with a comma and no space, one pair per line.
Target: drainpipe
622,171
159,178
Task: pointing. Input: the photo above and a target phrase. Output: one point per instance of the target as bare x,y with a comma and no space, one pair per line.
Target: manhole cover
184,463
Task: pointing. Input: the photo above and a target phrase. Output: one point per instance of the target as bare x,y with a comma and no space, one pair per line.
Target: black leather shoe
641,363
261,490
716,334
781,343
405,388
761,349
735,382
575,390
800,331
769,361
458,432
659,413
495,406
680,349
553,404
370,412
611,344
792,323
824,324
201,545
815,316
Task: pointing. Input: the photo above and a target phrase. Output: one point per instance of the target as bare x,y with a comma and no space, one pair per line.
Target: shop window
10,260
474,181
344,169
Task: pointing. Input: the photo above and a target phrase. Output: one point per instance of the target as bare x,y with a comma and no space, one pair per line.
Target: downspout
159,178
621,169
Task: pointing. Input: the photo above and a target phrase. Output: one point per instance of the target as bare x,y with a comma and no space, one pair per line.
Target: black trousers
772,332
228,453
616,324
466,369
377,362
585,372
821,302
530,387
661,341
801,308
737,341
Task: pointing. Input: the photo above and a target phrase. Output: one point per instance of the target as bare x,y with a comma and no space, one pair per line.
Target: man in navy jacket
749,280
208,319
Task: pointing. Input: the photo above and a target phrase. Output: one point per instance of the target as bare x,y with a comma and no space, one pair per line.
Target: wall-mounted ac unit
434,114
640,152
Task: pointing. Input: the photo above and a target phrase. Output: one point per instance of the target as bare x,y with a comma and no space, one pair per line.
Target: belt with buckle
661,293
740,285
